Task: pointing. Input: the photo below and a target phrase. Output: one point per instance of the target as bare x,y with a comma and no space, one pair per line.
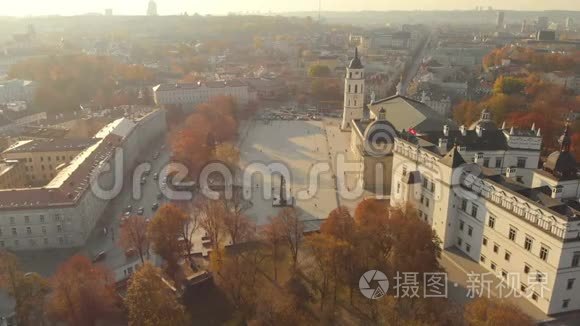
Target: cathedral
374,126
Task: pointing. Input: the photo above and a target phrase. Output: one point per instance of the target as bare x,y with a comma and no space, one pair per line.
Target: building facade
354,92
524,231
63,213
193,94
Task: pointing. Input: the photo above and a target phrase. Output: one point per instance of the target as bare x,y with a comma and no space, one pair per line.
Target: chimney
446,130
443,144
479,131
512,130
462,129
478,159
533,126
557,192
503,126
510,172
538,134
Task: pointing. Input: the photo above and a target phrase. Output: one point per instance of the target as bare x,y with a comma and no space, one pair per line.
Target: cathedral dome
485,122
562,163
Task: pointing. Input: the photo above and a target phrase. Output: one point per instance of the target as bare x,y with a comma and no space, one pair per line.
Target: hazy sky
165,7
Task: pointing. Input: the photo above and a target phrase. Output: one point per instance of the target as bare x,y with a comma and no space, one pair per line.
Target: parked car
129,209
155,207
156,177
141,211
100,256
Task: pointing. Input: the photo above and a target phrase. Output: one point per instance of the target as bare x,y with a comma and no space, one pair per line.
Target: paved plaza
300,146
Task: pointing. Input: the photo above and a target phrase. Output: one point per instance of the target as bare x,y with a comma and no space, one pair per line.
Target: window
28,230
523,287
491,222
41,218
570,284
57,217
474,210
461,224
504,273
464,205
26,219
425,183
527,268
43,229
482,258
484,241
512,234
495,248
540,276
422,199
498,163
459,241
521,162
543,253
11,219
528,243
565,303
469,231
467,247
426,202
59,228
576,259
14,232
486,162
432,187
493,266
535,296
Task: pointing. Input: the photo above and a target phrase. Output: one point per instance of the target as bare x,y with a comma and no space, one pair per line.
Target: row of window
31,242
49,158
474,208
528,242
41,219
29,231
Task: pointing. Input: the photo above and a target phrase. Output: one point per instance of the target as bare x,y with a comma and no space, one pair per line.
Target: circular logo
464,178
373,284
379,138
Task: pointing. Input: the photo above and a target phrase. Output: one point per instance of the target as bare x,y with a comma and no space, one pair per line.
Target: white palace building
482,192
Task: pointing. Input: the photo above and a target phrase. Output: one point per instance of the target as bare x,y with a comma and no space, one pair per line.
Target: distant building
152,8
542,23
12,174
193,94
500,19
546,35
268,88
17,90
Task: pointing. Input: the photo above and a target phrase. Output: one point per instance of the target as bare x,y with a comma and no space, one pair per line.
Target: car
127,214
129,209
143,181
155,207
100,256
156,176
130,252
140,211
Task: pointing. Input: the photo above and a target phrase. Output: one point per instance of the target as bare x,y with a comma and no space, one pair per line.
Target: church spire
565,140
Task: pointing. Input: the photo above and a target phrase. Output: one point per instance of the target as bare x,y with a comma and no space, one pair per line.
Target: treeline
65,82
536,61
523,101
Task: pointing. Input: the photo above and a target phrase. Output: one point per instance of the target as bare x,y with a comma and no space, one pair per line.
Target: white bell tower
354,92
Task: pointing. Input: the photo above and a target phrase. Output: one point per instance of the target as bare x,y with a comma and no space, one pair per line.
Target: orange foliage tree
483,311
82,293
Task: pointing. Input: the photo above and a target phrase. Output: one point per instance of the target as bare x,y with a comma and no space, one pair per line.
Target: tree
28,290
164,232
213,213
466,112
152,301
339,224
239,228
483,311
508,85
228,154
273,236
292,229
188,230
82,293
134,236
318,70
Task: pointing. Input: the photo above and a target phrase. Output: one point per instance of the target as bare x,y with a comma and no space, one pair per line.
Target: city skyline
172,7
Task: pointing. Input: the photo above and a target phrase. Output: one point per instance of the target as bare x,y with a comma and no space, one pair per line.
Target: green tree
318,70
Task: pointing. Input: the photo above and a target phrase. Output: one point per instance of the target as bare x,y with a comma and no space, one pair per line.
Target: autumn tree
508,85
212,216
28,290
273,237
318,70
466,112
164,232
292,229
483,311
151,300
82,293
228,154
134,236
